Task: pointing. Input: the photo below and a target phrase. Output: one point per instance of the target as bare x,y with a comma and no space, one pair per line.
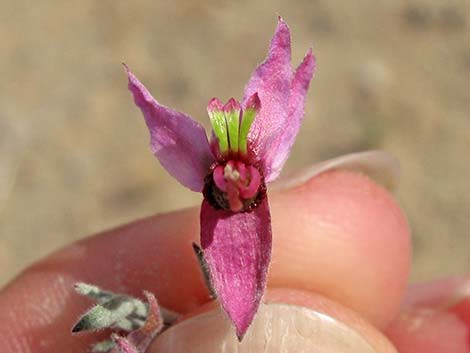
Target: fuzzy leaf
142,321
121,312
113,310
93,292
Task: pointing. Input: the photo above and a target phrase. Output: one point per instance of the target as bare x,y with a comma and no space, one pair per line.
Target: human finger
435,318
155,254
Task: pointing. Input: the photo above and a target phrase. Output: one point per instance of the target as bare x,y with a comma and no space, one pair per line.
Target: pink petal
272,81
179,143
237,248
279,150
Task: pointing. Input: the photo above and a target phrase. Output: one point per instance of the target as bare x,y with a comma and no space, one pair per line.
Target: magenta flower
249,145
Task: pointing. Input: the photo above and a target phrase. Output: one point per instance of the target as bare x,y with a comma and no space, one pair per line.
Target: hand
341,251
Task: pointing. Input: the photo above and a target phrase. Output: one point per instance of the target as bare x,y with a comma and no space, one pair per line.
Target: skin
340,221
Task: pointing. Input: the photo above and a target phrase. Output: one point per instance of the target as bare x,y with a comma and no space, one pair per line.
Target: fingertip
429,330
344,236
435,317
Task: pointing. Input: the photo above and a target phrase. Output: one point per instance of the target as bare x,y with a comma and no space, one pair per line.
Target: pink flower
249,145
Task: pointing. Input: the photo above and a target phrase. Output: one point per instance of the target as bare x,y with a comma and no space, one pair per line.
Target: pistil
236,185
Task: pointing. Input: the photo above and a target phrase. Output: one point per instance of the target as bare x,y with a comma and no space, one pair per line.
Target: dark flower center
235,186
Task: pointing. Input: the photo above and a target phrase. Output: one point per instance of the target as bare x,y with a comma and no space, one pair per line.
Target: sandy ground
74,155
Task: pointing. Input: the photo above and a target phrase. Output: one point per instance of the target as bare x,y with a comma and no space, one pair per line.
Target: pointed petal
279,150
179,143
271,80
237,248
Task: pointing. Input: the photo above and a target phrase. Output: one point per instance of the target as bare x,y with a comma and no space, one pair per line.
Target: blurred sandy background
74,155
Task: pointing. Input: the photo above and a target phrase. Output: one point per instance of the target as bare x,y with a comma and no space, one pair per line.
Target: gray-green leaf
113,310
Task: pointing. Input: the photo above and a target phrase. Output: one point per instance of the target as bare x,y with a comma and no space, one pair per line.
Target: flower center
234,186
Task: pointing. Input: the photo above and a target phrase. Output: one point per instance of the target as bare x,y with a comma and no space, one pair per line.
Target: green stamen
233,124
219,126
230,130
248,118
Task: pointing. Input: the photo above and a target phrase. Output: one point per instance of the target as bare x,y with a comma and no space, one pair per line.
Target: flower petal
278,152
237,248
179,143
271,80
